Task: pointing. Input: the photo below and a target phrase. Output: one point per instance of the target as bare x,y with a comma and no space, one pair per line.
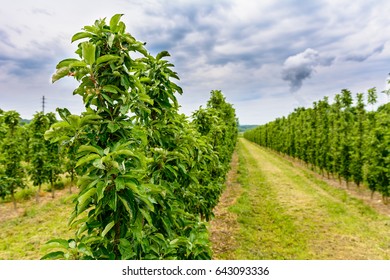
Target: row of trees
343,139
148,177
25,156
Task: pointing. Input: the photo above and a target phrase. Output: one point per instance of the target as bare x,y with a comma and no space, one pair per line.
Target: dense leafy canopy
11,170
148,177
341,139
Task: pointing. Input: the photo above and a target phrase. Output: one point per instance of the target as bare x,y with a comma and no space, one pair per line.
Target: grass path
24,232
285,212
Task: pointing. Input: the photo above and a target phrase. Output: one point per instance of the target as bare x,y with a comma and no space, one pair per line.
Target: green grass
267,232
22,237
286,212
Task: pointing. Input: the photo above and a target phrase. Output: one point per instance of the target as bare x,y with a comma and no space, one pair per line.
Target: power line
43,104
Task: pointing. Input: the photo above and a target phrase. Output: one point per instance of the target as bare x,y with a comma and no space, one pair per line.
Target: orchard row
26,156
342,139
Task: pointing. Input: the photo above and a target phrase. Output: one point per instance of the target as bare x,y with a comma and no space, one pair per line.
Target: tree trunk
13,199
37,194
52,190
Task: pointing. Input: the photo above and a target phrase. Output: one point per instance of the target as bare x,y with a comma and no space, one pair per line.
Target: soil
224,225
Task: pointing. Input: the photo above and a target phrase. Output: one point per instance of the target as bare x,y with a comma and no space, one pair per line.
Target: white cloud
241,47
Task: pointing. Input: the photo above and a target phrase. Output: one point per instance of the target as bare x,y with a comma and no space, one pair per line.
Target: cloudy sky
267,56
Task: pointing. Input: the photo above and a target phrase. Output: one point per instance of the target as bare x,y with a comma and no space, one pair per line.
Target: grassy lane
22,237
285,212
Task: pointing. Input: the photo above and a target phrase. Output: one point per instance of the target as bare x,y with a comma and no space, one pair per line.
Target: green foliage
11,171
340,139
378,155
45,160
218,122
145,173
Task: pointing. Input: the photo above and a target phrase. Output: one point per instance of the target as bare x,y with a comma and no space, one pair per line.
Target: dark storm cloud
299,67
29,61
179,20
363,57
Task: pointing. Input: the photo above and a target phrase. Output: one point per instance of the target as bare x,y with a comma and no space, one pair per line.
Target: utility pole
43,104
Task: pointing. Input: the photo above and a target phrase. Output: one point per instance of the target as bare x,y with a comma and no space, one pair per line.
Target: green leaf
107,98
82,199
110,40
113,202
100,188
124,152
64,113
88,52
81,35
182,167
177,88
111,88
146,215
98,163
146,80
125,249
121,27
60,73
58,243
78,64
82,228
66,62
107,228
173,171
114,21
124,109
147,202
126,204
54,256
162,54
82,248
86,159
119,183
107,57
145,98
112,127
90,148
72,243
132,184
129,199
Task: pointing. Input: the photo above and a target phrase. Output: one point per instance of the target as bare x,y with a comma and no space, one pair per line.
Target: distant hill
243,128
24,121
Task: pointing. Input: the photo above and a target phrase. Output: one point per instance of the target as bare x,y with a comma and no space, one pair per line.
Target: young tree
39,169
53,161
372,97
358,134
345,140
378,155
12,176
138,160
